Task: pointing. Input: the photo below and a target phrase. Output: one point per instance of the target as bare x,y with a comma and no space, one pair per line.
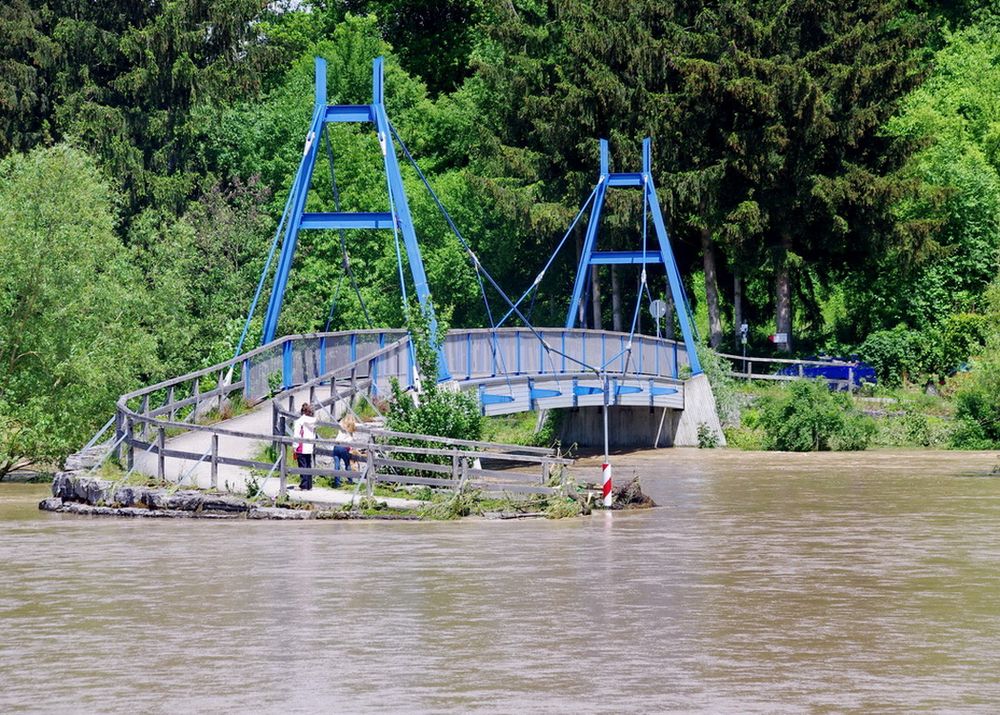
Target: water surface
765,583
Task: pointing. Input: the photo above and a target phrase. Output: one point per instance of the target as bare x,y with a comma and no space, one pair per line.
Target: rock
181,501
153,513
88,509
129,496
62,487
50,504
70,486
91,490
86,458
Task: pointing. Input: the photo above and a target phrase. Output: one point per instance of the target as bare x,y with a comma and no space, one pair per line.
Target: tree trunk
581,315
737,309
668,319
595,296
711,289
616,300
783,294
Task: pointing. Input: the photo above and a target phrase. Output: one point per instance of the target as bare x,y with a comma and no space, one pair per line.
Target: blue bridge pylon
663,254
397,218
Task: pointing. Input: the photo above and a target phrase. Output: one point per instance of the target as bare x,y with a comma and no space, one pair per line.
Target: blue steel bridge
654,389
510,370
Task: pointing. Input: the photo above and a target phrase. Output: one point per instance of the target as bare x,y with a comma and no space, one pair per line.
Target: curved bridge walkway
213,427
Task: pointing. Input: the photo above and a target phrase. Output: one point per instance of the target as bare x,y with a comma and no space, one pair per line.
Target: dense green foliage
840,163
977,400
72,336
808,417
436,410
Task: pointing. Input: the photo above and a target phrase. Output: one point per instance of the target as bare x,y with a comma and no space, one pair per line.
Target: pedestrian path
234,478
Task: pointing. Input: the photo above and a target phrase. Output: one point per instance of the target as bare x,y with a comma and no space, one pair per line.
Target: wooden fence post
215,461
464,465
282,462
370,466
161,438
119,434
275,421
129,436
143,410
170,401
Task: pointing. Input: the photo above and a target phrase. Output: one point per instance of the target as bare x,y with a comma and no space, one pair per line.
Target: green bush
902,353
855,434
441,413
807,417
707,437
962,335
437,411
895,354
977,407
724,387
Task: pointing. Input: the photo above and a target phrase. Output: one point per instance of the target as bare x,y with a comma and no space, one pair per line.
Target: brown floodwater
765,583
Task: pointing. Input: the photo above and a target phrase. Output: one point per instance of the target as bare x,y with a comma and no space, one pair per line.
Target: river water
765,583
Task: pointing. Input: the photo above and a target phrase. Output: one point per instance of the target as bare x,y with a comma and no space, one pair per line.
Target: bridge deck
508,371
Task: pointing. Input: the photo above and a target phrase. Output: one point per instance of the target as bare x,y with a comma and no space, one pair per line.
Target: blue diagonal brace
297,198
673,274
403,217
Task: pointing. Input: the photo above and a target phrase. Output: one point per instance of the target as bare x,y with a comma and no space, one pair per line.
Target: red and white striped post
606,467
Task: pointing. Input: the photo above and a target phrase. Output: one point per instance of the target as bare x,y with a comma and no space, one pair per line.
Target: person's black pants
305,480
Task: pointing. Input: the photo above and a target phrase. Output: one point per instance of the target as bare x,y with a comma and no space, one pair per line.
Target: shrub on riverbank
806,417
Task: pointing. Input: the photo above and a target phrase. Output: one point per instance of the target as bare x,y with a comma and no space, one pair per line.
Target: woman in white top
342,451
304,429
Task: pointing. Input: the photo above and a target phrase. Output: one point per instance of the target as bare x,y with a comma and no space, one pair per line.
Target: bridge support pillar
633,427
699,409
629,427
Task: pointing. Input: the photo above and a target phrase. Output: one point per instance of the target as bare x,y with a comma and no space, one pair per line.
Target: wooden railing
146,418
387,458
333,368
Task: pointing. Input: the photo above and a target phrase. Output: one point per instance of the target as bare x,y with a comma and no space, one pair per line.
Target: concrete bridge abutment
632,427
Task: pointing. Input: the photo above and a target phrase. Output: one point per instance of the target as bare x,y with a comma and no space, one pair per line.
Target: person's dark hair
307,409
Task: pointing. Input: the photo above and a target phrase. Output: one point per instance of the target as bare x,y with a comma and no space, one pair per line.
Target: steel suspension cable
538,279
266,270
496,286
343,241
477,266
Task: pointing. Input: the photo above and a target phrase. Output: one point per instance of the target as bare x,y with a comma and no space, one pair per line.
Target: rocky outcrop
86,458
72,486
75,493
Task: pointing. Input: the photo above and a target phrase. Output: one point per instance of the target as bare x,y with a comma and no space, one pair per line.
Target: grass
519,428
231,407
